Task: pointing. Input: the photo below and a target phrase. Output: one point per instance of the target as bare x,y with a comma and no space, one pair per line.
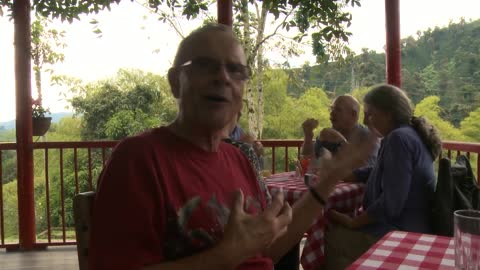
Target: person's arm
331,135
308,145
359,175
396,179
307,208
350,178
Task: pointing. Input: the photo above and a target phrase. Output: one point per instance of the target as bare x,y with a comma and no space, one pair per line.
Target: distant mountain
441,61
55,119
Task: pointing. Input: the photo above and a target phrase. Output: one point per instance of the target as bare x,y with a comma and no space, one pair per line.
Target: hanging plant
40,122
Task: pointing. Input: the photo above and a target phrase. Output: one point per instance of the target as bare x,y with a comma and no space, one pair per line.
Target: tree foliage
442,61
129,103
68,10
285,114
430,109
326,20
470,126
47,44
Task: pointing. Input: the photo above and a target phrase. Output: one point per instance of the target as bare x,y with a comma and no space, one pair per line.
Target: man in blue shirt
344,116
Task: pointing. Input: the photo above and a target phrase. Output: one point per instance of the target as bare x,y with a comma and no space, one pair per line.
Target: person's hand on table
247,235
308,126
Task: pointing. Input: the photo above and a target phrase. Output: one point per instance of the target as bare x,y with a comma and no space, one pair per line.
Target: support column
26,204
224,12
393,50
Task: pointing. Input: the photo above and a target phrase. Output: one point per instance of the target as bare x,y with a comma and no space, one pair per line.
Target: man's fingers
276,206
285,216
310,123
239,202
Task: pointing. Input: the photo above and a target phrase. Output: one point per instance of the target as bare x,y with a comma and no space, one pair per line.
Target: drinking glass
467,239
266,165
302,165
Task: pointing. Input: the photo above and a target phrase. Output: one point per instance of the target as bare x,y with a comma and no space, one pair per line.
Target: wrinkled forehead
220,45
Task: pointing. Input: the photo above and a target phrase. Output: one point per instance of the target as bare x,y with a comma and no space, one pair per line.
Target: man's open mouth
214,98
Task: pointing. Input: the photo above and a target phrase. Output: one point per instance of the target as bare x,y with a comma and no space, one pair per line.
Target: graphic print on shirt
187,236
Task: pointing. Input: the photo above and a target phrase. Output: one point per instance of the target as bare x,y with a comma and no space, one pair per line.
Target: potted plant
40,123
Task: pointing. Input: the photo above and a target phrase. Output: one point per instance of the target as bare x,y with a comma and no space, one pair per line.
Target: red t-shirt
161,198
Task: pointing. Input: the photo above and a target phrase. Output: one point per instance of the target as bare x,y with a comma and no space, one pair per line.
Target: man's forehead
339,102
216,44
344,101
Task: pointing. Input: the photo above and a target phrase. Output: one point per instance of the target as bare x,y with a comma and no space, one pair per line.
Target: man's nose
221,73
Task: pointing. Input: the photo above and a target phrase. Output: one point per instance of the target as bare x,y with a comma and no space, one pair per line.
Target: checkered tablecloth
406,250
346,198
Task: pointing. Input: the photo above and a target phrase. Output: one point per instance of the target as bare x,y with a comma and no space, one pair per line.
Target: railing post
26,205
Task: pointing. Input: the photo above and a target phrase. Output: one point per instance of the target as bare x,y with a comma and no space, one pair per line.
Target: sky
133,38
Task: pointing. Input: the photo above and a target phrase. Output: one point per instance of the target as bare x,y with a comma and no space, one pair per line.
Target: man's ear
173,80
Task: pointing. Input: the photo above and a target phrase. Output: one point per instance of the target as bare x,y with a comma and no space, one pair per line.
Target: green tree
276,81
69,10
286,123
46,50
430,109
10,206
470,126
430,79
326,20
124,105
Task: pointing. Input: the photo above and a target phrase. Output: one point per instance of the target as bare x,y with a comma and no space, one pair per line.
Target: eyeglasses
208,66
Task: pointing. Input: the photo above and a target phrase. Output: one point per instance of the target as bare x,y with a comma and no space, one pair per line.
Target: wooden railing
64,169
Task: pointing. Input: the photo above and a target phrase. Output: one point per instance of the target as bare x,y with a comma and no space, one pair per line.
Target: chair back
456,189
83,214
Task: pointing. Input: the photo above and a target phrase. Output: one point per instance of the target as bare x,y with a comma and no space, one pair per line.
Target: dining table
408,250
346,198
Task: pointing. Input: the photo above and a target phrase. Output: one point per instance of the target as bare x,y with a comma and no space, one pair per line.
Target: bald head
344,114
348,102
189,44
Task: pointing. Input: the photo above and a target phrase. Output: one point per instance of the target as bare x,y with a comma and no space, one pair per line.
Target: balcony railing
63,169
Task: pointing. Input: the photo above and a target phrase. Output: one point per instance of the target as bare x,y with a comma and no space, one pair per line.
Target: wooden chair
82,214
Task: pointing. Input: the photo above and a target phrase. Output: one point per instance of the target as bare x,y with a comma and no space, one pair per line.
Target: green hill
440,61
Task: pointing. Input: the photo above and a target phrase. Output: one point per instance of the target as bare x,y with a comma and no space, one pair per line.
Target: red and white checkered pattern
468,248
346,198
406,250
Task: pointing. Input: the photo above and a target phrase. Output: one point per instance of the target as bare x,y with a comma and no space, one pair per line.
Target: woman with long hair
400,183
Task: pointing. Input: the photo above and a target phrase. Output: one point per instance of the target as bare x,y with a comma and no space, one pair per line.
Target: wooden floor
53,258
